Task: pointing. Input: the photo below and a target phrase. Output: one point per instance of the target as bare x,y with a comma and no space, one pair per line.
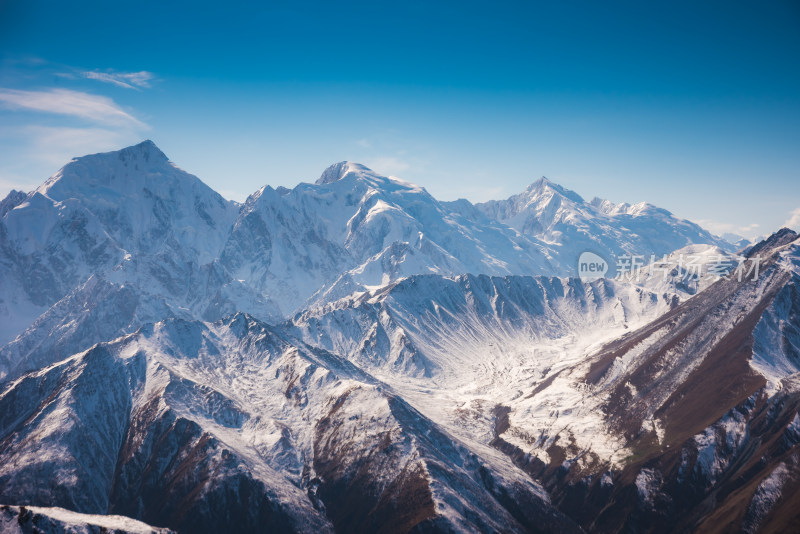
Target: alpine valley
354,355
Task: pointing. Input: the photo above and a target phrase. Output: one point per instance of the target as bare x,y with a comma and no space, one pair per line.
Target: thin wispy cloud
793,222
719,228
128,80
57,145
93,108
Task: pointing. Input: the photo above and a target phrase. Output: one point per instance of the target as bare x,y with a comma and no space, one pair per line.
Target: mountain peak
106,168
782,237
146,150
14,199
337,171
543,184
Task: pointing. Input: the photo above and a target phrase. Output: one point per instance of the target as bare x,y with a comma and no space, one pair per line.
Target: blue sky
693,106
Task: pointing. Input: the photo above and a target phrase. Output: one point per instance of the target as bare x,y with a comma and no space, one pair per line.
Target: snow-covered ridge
561,217
470,343
134,219
24,519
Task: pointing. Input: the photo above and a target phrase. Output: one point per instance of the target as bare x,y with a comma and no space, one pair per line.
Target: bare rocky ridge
708,409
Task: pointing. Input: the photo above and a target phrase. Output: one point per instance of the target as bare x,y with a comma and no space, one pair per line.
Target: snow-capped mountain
562,218
130,217
412,327
353,355
354,229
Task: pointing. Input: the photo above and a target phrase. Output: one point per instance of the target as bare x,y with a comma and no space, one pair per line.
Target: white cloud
719,228
94,108
128,80
364,143
56,145
793,222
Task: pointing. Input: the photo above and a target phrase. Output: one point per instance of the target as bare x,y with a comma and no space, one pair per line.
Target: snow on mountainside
459,347
40,520
434,372
601,389
128,216
354,228
134,219
231,426
706,398
14,199
562,218
144,202
686,271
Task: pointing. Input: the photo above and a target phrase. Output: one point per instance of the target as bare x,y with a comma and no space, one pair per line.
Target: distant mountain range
354,355
132,217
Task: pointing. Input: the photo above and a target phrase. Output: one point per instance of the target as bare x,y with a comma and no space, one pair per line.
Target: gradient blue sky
693,106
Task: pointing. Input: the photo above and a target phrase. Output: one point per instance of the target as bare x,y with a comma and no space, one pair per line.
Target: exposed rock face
708,408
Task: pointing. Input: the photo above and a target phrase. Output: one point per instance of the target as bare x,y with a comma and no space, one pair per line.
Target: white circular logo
591,266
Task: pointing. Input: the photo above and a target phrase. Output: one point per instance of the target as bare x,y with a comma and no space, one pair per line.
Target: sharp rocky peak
146,150
779,239
544,184
14,199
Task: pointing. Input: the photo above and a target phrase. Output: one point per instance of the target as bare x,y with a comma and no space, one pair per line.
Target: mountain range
354,355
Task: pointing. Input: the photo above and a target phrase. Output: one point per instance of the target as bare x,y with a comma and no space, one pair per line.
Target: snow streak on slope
41,520
457,348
